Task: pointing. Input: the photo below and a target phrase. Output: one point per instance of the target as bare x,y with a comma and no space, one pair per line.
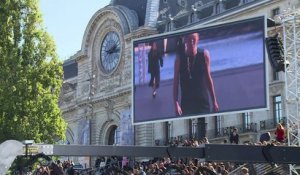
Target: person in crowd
280,133
192,72
265,137
155,61
71,170
234,136
138,171
42,170
245,171
205,140
294,131
37,171
141,171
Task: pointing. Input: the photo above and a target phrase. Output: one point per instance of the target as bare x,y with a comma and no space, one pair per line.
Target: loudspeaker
276,53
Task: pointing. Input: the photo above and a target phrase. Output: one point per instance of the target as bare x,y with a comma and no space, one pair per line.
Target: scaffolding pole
291,37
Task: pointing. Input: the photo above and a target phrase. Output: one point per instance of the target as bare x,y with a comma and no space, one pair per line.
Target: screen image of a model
155,61
192,72
204,71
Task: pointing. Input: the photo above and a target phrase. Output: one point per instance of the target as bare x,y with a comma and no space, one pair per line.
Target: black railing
250,127
225,131
271,123
267,124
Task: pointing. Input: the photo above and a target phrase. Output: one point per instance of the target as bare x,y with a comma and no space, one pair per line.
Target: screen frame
198,28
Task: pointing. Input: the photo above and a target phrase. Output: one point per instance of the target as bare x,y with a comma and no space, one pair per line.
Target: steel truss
206,152
291,40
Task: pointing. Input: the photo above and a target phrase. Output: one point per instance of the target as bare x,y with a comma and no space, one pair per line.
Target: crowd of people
170,165
163,166
57,168
192,166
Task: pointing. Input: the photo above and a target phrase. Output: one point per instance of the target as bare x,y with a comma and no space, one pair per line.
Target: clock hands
113,49
110,51
117,49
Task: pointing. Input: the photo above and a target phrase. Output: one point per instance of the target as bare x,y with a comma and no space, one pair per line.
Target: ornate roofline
127,17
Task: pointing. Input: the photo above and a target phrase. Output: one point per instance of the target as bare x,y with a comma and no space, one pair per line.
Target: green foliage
30,76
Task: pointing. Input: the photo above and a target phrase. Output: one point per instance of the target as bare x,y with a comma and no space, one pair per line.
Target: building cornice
140,33
125,91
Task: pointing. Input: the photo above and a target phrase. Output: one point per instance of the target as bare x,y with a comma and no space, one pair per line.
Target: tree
30,76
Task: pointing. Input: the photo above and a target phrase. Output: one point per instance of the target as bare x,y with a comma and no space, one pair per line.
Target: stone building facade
96,94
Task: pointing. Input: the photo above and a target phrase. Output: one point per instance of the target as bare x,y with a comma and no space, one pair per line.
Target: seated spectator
280,133
205,140
265,137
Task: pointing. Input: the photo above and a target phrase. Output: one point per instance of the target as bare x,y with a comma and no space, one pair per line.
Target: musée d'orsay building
97,99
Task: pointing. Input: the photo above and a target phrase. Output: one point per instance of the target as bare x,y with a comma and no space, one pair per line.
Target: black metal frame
206,152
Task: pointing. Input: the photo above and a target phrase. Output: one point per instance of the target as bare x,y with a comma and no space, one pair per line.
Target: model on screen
192,71
155,61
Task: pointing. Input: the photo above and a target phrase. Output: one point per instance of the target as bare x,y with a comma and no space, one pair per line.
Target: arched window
169,26
192,17
218,8
112,138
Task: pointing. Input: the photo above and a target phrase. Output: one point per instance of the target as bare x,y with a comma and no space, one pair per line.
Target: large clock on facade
110,52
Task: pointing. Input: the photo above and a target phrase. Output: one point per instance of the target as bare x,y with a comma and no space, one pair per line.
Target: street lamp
27,142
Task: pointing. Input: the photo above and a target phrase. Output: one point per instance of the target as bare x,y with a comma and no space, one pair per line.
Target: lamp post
27,142
90,109
21,163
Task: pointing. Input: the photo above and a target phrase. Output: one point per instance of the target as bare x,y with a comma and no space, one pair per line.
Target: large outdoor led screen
208,71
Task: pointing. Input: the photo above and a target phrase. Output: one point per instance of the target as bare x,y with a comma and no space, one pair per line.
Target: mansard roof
139,6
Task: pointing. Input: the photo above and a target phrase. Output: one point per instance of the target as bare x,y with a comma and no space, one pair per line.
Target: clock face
110,52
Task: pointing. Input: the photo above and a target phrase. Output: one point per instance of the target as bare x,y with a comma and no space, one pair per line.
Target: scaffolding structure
291,41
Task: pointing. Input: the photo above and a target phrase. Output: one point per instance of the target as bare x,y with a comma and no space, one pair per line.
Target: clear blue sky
66,21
